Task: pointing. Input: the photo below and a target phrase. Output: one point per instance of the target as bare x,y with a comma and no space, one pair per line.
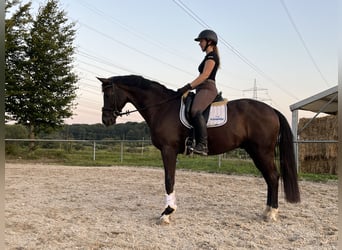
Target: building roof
323,102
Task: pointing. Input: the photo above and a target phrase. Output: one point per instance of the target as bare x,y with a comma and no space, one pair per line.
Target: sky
288,48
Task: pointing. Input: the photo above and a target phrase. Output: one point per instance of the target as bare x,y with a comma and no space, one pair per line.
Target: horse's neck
150,104
142,98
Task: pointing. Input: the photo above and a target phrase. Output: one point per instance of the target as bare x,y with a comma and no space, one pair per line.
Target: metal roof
323,102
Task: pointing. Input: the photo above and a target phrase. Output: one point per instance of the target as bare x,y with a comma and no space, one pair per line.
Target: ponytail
218,55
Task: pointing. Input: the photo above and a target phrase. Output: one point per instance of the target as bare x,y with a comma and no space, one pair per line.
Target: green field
135,154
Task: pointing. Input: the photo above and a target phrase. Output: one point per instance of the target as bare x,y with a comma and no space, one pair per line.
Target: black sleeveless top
210,56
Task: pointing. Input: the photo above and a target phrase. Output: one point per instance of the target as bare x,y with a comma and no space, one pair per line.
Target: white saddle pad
217,115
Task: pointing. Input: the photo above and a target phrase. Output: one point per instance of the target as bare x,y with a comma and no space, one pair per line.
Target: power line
195,17
192,14
134,32
134,49
303,42
107,62
104,61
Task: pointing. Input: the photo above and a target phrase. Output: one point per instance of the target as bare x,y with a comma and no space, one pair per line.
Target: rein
117,113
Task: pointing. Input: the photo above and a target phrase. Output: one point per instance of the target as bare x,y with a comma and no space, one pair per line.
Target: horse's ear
103,80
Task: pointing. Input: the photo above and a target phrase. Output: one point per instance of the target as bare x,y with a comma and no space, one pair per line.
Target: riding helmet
208,35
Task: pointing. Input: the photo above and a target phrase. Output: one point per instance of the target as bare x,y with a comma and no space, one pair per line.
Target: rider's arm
208,67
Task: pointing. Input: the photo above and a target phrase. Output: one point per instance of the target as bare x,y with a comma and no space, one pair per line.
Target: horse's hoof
165,216
270,214
164,220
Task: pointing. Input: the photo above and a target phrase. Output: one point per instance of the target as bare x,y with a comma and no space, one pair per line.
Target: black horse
252,125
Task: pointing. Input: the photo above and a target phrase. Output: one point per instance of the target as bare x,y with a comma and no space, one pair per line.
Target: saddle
188,100
215,114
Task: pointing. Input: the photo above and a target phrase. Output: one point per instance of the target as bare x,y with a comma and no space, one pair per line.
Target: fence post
94,150
219,160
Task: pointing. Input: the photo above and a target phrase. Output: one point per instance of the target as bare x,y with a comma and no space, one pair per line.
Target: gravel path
59,207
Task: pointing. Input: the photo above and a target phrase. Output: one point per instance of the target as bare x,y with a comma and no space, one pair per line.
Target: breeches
205,95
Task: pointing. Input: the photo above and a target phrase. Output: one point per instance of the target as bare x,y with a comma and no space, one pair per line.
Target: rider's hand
184,89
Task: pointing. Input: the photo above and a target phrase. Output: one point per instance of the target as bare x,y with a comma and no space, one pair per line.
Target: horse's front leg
169,156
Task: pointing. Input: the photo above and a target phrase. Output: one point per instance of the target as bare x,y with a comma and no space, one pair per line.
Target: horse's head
113,101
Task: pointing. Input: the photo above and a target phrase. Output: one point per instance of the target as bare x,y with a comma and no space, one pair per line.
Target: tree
42,97
17,31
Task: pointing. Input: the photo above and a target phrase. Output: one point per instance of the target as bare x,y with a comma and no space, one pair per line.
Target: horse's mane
140,82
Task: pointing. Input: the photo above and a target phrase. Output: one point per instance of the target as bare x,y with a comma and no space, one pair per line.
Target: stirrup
200,149
189,143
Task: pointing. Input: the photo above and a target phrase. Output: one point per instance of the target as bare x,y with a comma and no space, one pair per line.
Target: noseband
115,113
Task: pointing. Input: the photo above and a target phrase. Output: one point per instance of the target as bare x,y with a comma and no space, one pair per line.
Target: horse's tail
288,167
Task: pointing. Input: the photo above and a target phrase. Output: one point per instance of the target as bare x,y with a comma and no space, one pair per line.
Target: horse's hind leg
271,177
266,164
271,210
169,156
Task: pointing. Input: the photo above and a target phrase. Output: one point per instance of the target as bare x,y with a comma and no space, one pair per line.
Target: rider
205,88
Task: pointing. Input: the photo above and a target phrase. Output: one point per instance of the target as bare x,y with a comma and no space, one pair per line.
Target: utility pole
255,91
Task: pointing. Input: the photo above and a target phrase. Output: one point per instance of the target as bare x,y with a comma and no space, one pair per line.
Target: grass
317,177
147,156
211,164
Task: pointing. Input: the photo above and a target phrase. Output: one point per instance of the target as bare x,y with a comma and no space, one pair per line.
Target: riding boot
201,136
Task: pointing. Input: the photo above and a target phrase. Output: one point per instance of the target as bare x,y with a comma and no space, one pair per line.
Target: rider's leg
205,94
200,127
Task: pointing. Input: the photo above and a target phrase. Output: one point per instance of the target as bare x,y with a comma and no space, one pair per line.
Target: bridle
116,112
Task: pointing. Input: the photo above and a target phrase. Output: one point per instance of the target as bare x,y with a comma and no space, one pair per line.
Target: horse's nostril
105,121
